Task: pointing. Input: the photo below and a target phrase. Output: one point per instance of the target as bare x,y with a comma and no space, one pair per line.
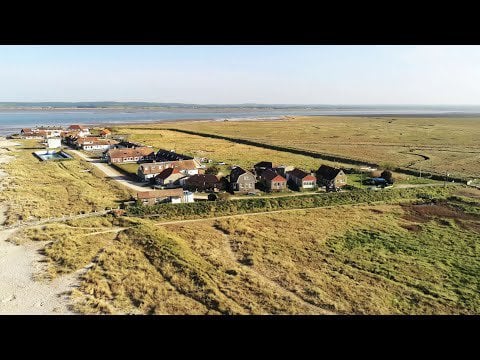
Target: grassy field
452,144
40,189
217,150
361,259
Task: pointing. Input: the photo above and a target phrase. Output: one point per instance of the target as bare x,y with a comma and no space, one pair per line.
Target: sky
232,74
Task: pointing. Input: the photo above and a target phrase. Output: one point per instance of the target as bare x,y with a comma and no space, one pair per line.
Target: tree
214,170
387,175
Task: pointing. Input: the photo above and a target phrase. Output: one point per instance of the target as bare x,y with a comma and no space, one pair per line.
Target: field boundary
323,156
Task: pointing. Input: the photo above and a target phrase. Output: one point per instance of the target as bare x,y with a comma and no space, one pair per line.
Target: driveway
113,173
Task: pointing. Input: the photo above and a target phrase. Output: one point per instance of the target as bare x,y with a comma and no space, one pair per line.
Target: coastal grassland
41,189
215,149
452,144
408,258
385,259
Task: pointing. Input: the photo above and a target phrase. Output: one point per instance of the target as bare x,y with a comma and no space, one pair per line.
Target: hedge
252,205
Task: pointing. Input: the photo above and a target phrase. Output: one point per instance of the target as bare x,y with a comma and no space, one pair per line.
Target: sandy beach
20,293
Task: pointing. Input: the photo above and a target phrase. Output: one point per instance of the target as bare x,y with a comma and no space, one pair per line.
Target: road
113,173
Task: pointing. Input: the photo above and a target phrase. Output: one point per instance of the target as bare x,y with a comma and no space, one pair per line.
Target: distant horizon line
107,102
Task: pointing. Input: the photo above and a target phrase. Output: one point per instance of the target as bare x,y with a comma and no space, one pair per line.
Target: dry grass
215,149
383,259
47,189
451,143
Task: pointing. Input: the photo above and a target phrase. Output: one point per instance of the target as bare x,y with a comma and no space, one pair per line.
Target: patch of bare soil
422,213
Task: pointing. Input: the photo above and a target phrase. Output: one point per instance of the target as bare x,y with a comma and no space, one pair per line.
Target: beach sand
20,293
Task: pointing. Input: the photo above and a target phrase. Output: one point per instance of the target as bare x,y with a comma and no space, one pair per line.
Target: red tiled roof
154,194
105,132
156,167
77,127
272,176
130,152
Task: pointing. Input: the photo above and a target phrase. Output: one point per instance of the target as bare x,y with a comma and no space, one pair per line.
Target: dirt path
23,225
280,289
113,173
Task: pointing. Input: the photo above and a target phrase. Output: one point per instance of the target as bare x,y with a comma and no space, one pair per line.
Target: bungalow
203,182
272,181
261,167
150,170
301,179
164,196
79,129
331,177
170,178
27,133
95,144
119,156
242,180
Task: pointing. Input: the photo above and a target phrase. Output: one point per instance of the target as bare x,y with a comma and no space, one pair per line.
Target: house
94,144
105,133
203,182
119,156
164,196
242,180
331,177
262,166
273,181
282,170
302,179
150,170
165,155
27,133
170,178
79,129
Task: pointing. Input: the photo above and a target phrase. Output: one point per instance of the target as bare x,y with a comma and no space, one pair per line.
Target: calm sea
11,121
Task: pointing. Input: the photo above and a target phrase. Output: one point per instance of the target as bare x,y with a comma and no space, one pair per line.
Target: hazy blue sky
242,74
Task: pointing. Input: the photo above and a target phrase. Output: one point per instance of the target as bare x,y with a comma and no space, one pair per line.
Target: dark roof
272,176
236,172
327,172
165,155
298,173
201,179
166,173
263,164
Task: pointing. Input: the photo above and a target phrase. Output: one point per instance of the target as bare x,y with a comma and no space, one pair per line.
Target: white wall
54,143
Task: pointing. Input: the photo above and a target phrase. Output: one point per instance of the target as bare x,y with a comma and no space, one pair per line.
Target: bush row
242,206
